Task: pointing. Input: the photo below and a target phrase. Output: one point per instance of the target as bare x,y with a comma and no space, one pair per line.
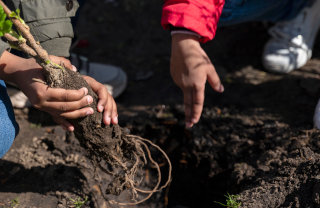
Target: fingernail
73,68
189,124
89,112
115,120
221,88
89,99
100,108
108,119
194,121
85,90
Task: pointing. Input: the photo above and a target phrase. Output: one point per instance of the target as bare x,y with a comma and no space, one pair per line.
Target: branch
22,45
25,31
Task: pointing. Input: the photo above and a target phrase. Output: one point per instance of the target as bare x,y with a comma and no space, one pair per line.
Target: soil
256,140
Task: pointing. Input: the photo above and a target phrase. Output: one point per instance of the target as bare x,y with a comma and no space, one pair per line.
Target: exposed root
129,180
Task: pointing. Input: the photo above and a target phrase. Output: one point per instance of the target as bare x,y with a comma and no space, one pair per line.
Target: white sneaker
113,77
292,41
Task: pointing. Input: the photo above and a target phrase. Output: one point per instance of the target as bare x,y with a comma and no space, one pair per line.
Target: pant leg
239,11
8,125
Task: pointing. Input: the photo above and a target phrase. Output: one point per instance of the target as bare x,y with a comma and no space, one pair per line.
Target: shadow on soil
50,178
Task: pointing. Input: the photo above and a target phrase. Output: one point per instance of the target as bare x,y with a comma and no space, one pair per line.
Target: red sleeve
200,16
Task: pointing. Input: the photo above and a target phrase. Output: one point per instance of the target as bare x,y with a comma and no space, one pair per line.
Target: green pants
49,22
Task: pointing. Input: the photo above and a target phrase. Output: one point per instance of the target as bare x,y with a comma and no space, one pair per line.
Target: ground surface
255,140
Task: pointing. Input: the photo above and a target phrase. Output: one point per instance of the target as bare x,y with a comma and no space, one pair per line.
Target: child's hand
106,103
61,60
190,69
62,104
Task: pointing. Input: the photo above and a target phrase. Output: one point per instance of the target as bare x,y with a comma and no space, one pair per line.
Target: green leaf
2,14
7,26
1,10
12,14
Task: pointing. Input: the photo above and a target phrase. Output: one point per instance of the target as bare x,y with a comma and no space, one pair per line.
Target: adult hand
190,68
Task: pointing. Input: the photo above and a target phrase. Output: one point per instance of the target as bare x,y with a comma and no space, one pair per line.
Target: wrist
178,37
182,30
11,66
184,42
187,32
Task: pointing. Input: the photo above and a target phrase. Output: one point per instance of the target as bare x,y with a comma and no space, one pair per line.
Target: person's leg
8,125
291,42
239,11
292,37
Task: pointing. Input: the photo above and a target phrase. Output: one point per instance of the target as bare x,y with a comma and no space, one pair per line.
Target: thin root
143,142
39,80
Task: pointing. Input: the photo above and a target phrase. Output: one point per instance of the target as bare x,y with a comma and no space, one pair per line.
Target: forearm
11,66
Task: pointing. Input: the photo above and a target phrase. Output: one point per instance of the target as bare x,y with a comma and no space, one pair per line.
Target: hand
62,104
106,103
190,68
61,60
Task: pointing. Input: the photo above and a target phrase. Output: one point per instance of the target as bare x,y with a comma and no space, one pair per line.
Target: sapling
124,154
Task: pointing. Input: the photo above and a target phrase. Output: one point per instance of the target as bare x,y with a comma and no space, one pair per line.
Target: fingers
100,90
187,100
77,113
197,101
68,106
193,104
63,95
214,80
106,103
64,123
61,60
72,104
110,114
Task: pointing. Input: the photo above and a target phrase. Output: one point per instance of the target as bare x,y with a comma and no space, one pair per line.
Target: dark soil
255,140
